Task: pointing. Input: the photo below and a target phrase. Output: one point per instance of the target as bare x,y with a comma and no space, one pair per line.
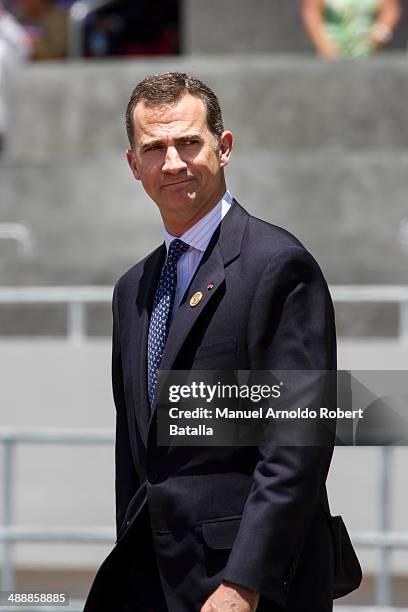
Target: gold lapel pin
196,299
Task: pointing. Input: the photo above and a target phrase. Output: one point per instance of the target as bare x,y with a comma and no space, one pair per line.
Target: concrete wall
274,104
91,220
240,26
321,149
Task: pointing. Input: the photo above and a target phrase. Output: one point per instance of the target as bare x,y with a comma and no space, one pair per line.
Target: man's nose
173,163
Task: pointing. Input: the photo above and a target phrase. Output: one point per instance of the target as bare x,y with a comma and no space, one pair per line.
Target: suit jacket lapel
224,246
210,271
138,333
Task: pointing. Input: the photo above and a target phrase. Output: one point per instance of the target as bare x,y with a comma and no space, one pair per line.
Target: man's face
179,161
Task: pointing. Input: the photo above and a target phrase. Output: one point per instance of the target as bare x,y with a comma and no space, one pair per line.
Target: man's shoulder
266,240
266,244
276,237
266,234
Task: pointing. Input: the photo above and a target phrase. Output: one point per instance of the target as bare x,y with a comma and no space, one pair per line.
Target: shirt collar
199,235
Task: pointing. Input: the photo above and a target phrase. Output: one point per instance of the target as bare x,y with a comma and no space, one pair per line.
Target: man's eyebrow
162,143
153,143
189,137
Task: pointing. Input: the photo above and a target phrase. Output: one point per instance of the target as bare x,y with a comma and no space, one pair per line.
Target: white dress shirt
197,237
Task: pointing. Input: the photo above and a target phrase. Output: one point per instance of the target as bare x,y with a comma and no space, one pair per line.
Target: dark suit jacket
252,515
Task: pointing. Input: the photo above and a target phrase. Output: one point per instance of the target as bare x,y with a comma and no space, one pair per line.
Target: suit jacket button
153,477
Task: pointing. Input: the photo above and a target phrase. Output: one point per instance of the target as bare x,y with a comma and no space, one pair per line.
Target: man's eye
153,147
191,141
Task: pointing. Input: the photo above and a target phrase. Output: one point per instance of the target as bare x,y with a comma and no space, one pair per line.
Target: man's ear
131,158
226,144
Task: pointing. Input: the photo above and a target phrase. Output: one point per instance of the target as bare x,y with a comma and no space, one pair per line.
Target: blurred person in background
13,47
46,23
129,28
350,28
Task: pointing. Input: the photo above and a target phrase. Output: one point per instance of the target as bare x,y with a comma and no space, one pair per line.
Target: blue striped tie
161,314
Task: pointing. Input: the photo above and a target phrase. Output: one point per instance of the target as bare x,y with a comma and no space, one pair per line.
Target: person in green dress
350,28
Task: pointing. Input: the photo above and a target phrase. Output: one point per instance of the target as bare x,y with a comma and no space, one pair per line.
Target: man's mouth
175,183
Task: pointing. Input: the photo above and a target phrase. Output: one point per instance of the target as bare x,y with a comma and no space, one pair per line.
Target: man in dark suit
205,528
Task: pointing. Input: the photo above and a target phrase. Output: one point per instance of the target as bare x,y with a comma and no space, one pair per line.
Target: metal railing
11,534
76,300
383,539
376,294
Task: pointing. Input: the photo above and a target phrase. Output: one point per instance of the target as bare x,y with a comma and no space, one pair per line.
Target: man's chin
182,198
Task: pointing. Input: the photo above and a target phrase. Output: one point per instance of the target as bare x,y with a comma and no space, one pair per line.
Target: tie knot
176,250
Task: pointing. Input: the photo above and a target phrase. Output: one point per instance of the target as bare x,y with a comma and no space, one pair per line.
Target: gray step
91,220
275,104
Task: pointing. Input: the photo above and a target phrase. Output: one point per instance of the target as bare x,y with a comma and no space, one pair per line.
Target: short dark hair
168,88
